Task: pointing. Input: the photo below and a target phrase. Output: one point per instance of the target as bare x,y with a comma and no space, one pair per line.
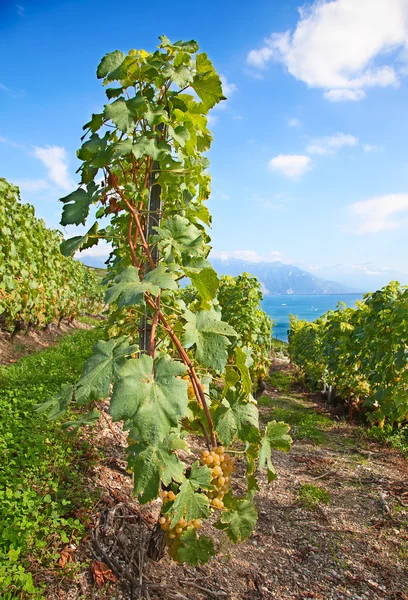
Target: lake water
308,308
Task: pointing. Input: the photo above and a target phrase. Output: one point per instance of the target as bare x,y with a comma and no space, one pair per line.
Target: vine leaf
147,146
239,520
241,361
109,63
57,406
275,437
203,277
129,290
89,418
150,395
179,236
80,242
99,369
236,417
154,462
190,503
208,333
194,549
76,207
119,114
207,83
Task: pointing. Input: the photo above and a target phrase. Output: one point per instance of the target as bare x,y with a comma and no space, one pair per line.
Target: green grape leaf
119,114
193,549
76,207
180,236
148,146
99,369
189,502
128,290
239,520
95,123
241,362
180,75
80,242
89,419
207,83
109,63
57,406
236,417
150,395
180,134
275,437
208,333
113,92
153,463
204,279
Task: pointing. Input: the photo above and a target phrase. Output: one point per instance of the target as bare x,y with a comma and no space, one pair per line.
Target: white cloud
212,120
32,185
343,95
4,140
330,144
20,10
291,165
379,213
228,88
294,123
335,45
370,148
55,160
247,255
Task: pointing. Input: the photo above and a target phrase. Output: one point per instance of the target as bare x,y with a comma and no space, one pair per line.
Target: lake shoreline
306,306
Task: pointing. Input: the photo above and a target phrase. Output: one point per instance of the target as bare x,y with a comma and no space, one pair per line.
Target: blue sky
309,160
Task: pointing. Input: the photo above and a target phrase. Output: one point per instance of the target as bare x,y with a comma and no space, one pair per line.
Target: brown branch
130,242
186,359
152,341
139,227
109,424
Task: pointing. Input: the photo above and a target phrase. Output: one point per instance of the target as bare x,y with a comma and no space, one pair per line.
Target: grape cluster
174,532
222,466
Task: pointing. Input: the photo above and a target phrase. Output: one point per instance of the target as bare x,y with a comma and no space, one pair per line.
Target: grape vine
362,353
175,371
37,284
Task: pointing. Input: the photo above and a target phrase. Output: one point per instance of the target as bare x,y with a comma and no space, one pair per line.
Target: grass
305,422
279,346
310,496
397,438
282,380
41,468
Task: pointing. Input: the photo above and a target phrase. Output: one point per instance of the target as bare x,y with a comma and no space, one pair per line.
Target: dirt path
334,525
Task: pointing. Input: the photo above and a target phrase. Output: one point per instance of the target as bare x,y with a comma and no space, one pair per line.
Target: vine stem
185,358
160,316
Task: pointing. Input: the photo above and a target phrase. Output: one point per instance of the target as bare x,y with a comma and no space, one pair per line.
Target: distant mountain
279,279
366,276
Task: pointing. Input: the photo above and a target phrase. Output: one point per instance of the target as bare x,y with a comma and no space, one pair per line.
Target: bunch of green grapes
222,466
173,534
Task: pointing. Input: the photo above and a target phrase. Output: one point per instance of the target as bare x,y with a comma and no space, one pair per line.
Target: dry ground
356,546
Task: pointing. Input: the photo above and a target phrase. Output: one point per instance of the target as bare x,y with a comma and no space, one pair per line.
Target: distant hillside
277,278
